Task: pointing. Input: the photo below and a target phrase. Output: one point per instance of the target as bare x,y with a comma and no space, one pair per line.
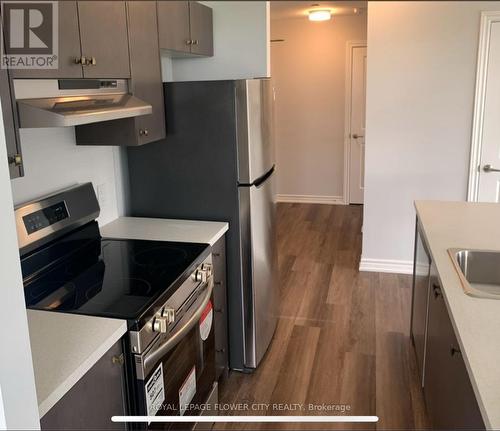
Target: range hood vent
61,103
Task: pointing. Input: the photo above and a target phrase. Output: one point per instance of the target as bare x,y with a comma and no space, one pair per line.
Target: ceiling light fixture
320,15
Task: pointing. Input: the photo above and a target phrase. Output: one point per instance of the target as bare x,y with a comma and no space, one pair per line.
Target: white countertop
476,320
158,229
64,347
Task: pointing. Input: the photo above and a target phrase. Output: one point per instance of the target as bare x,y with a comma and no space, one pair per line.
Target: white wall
18,403
241,44
421,80
308,70
3,423
52,161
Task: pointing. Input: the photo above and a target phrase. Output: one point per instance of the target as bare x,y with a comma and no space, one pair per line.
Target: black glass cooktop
84,274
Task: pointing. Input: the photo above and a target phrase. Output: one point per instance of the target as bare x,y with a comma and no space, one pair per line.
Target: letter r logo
28,27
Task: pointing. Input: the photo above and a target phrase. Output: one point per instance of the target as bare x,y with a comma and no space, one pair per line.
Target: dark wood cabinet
145,83
104,37
92,29
448,391
185,28
69,47
173,25
421,282
201,25
11,130
220,308
94,399
145,68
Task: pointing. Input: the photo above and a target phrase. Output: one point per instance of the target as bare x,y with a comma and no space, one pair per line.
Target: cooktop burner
105,277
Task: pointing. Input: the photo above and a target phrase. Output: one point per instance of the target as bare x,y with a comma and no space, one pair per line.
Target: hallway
342,336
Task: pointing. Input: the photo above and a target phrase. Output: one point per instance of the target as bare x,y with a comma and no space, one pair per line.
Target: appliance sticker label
206,321
187,391
155,392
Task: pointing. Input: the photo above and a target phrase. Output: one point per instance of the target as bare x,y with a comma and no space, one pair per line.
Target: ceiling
298,9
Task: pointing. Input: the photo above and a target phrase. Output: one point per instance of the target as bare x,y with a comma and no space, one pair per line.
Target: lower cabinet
94,399
220,308
421,275
448,392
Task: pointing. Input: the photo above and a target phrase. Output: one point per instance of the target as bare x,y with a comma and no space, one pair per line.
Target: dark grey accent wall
192,174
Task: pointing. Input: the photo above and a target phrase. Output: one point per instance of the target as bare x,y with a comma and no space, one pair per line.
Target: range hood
73,102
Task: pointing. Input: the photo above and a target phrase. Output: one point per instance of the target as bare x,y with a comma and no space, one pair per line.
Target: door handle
356,136
489,168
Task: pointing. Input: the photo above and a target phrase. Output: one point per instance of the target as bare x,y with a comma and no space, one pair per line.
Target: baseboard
384,265
311,199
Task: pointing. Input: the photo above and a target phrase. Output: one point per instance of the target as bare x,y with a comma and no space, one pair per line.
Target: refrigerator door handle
259,181
263,178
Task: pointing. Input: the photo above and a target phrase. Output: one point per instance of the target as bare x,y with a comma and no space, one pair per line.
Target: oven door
179,373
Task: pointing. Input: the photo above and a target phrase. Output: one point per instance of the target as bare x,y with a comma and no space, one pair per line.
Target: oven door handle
152,357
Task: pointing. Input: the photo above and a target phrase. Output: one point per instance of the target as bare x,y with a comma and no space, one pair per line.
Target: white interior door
489,166
357,122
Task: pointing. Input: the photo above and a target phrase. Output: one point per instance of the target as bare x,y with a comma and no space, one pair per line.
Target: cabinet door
448,392
201,29
421,271
220,307
69,47
11,131
146,69
173,25
103,33
91,402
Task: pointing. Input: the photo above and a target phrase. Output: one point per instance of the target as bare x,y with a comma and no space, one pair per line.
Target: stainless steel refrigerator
217,163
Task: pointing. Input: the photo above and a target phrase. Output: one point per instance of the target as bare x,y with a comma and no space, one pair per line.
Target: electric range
164,290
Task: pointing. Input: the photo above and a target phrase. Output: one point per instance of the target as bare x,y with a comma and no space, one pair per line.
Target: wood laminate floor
342,336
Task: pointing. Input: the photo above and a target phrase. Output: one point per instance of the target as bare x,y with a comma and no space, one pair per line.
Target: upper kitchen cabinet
173,25
104,39
11,131
146,69
202,38
69,48
185,28
145,83
93,42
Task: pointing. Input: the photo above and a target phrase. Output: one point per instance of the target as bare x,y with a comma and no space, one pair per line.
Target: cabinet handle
454,351
81,60
218,310
144,132
220,350
216,254
218,283
118,360
189,42
92,61
15,160
437,291
195,42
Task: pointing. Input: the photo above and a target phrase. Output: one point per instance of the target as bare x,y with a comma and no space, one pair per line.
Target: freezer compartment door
262,285
255,116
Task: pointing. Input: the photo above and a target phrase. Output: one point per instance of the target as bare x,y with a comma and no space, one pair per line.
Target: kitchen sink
479,271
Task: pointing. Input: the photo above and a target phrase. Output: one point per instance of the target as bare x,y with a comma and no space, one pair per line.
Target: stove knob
201,275
160,324
169,314
207,267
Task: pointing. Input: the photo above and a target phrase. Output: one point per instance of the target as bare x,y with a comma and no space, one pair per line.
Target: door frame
350,45
487,19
